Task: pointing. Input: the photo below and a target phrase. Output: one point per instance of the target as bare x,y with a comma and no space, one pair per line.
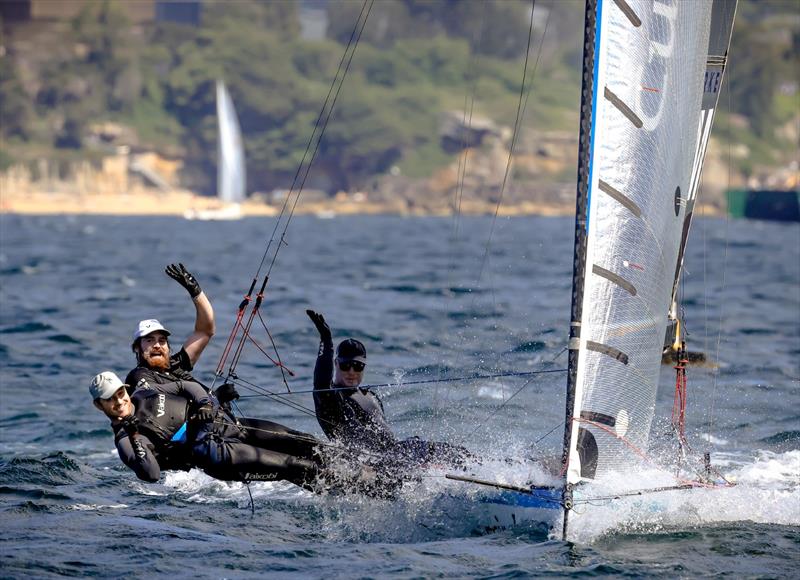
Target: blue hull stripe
539,498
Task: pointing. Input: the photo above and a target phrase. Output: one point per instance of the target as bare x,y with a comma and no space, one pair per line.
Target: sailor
354,415
157,365
179,425
154,361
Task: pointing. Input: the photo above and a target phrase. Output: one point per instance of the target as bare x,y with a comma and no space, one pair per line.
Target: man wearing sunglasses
348,414
354,416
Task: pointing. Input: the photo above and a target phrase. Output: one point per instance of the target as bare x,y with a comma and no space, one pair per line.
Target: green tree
753,75
16,111
496,28
105,33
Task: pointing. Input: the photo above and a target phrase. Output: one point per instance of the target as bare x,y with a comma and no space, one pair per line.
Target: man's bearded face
155,350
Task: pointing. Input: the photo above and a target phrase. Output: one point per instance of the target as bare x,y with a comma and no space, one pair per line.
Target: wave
26,328
784,440
55,469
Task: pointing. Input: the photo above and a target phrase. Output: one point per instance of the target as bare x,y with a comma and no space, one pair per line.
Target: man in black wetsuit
354,415
179,425
155,363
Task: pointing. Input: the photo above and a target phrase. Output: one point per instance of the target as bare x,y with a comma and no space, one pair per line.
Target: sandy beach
177,202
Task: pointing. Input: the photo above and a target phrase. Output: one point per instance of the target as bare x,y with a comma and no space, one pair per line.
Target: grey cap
105,385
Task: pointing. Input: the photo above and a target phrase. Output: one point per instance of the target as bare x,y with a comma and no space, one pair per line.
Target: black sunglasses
357,366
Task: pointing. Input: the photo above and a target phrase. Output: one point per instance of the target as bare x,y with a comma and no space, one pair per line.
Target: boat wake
766,490
434,508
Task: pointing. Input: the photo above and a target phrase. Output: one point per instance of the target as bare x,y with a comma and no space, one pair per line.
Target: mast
581,226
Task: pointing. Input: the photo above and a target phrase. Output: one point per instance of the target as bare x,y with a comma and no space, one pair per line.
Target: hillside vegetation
416,60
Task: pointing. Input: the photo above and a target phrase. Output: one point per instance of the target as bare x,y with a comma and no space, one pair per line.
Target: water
431,300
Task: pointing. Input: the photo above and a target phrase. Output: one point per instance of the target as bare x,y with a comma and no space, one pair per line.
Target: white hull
228,212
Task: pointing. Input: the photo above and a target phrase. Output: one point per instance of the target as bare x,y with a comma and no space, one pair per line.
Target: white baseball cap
148,327
105,385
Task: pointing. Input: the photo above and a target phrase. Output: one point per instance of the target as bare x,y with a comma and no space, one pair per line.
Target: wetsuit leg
277,437
233,460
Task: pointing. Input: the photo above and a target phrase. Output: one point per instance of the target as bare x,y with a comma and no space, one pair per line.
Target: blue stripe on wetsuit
180,434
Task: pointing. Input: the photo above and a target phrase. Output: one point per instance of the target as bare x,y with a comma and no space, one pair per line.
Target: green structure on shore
775,205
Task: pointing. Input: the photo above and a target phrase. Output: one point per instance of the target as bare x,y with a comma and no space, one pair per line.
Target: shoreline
178,202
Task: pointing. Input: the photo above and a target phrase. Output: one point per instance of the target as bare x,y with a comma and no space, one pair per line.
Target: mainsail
645,122
230,172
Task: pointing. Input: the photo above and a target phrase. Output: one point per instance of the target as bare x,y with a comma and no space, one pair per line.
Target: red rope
234,331
249,337
679,403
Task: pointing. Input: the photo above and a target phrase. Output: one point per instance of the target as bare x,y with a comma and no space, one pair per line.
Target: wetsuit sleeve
181,360
195,392
323,369
327,403
192,391
137,453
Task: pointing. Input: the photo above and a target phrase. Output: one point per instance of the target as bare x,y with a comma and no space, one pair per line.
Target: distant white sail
650,62
231,168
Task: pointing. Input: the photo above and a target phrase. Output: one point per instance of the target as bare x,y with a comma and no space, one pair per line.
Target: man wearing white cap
155,362
179,425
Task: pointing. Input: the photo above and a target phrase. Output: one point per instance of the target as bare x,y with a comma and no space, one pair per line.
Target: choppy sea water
433,299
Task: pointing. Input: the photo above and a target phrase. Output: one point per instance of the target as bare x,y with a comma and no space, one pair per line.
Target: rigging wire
726,237
284,369
314,140
522,105
427,381
327,119
491,415
355,36
304,170
466,143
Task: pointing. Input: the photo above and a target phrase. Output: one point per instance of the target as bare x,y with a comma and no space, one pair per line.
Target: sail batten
623,108
620,197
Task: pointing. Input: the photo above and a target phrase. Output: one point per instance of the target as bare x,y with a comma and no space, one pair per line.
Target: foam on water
766,490
434,507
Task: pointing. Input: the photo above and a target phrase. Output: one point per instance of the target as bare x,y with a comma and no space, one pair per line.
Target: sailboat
652,72
230,167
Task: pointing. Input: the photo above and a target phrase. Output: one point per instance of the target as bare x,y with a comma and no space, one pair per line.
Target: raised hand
183,277
322,326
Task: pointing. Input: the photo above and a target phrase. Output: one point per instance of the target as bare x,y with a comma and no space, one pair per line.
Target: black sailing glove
226,393
183,277
131,425
322,326
203,414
